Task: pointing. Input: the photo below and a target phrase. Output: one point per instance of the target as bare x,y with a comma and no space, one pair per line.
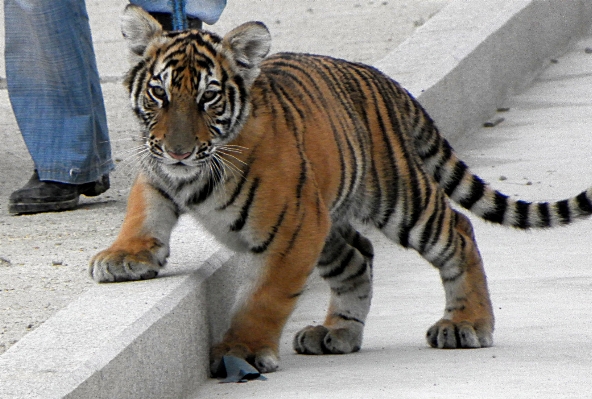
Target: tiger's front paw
318,340
446,334
114,265
265,360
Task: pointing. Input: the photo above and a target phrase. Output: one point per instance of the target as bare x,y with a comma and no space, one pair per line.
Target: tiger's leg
256,327
445,237
346,264
142,246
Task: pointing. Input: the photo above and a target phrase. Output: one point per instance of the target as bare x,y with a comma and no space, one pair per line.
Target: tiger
280,157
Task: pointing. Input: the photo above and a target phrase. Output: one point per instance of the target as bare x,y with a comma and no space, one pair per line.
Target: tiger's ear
138,28
248,44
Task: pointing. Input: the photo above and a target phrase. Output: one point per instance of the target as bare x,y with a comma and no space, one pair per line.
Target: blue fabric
179,15
54,88
207,10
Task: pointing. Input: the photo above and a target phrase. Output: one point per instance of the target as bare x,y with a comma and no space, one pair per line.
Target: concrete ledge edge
472,55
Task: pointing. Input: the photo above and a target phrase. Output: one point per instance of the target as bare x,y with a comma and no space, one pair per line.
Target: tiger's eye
209,95
158,92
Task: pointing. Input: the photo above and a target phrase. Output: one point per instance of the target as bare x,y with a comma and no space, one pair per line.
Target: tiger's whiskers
132,158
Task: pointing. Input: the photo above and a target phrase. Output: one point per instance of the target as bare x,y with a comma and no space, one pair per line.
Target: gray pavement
540,281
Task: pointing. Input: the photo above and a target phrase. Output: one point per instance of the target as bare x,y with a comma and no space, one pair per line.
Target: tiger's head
190,89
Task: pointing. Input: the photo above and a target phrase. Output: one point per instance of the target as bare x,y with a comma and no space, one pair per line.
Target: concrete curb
473,55
127,340
149,339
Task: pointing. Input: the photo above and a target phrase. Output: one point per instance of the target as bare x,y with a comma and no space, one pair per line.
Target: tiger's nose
179,156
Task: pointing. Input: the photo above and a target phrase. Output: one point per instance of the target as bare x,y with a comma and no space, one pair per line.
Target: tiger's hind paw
319,340
446,334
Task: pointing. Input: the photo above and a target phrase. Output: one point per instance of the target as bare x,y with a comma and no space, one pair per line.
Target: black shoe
166,20
48,196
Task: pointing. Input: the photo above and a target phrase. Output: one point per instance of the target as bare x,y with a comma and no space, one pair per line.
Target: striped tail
472,193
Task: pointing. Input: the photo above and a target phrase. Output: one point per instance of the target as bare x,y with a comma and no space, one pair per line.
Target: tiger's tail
472,193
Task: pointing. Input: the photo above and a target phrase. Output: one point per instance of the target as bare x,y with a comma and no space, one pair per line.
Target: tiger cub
276,156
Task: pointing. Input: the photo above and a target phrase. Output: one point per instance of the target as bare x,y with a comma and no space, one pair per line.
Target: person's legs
54,89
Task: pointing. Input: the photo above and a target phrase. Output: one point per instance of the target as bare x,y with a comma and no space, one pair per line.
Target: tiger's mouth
220,161
189,167
180,157
191,162
193,158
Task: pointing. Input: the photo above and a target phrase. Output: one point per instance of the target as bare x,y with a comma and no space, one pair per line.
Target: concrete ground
540,282
43,258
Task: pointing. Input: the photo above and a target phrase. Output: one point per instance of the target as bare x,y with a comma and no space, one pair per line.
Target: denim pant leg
54,89
206,10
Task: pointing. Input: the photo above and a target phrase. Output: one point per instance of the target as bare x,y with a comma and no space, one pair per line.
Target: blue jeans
206,10
54,89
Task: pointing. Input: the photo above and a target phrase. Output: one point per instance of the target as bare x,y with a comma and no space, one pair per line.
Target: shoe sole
40,207
95,188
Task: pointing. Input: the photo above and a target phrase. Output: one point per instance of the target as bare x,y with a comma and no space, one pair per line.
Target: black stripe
318,205
238,189
294,237
360,272
342,265
446,153
522,214
286,99
455,178
359,244
383,196
441,212
183,184
199,39
584,203
238,224
263,247
204,193
170,63
296,295
433,147
334,246
231,96
361,107
131,75
279,68
390,192
335,83
453,246
544,214
476,193
454,277
420,190
450,245
348,318
500,204
243,96
428,227
404,236
563,211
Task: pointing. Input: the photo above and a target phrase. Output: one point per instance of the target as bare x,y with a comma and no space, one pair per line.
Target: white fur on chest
217,223
208,212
